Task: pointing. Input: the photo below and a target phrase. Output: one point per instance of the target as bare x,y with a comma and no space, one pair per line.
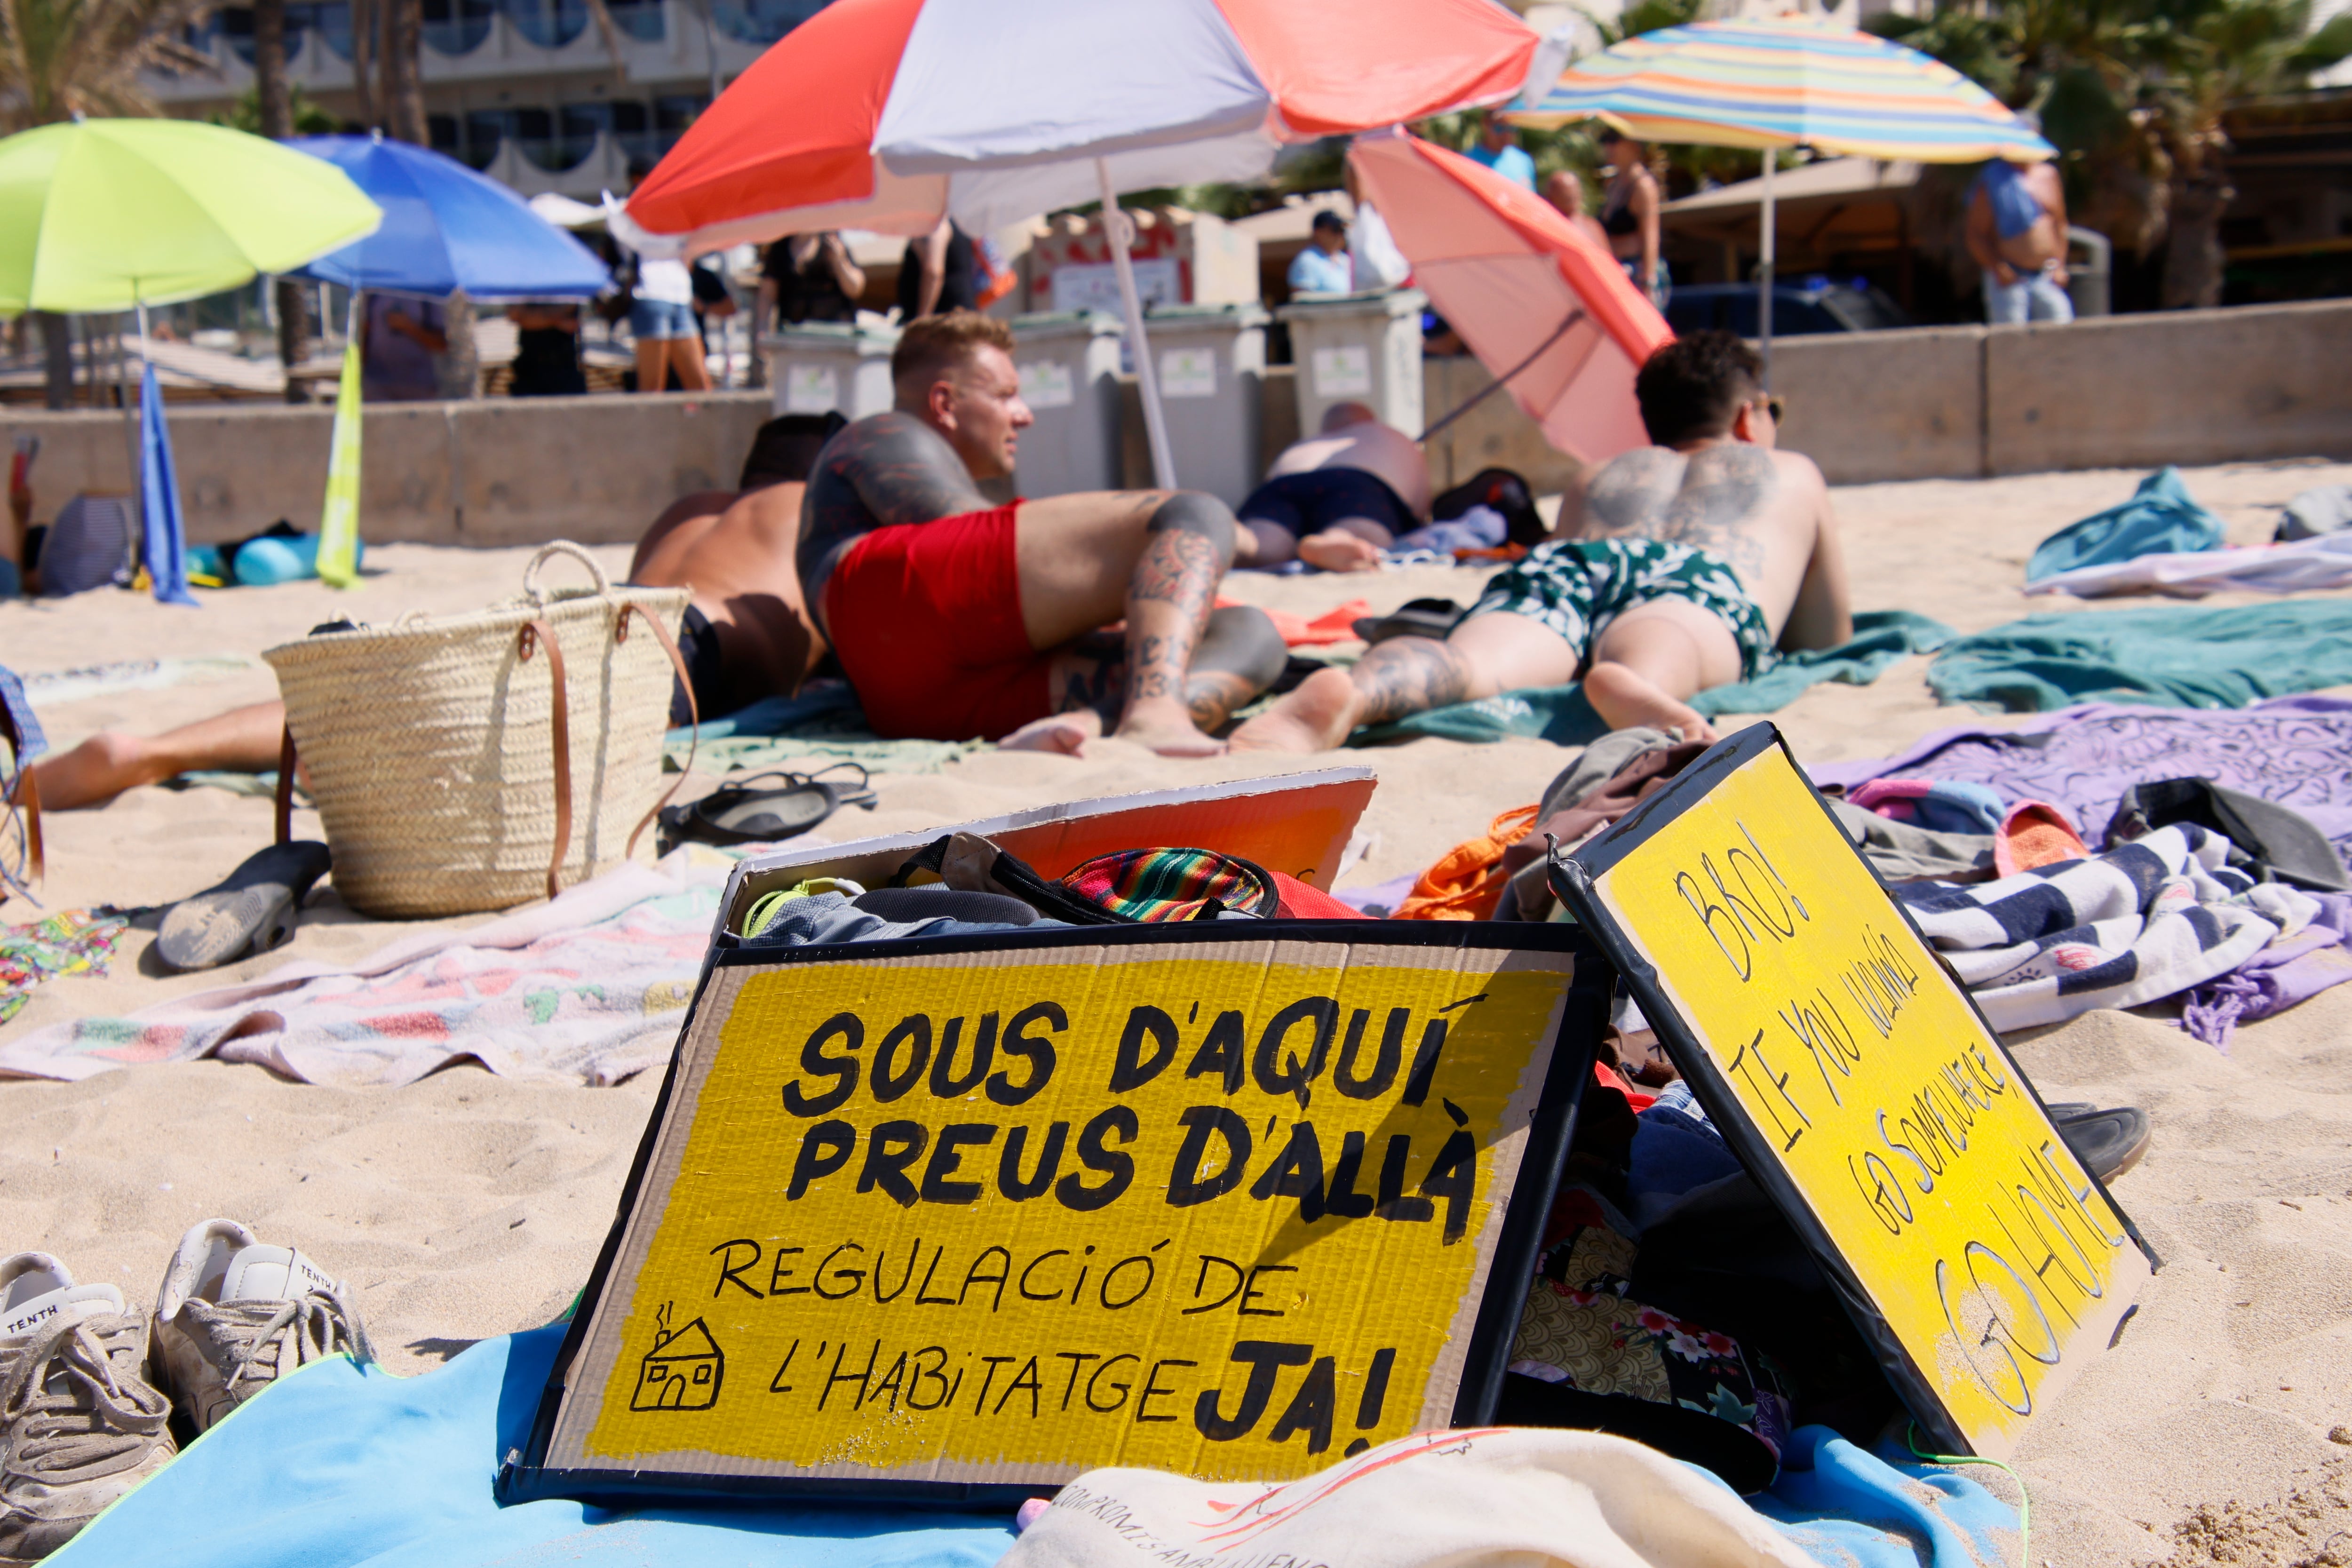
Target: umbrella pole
1147,376
1764,271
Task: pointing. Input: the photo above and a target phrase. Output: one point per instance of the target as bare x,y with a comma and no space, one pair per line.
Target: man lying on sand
745,635
1691,560
1337,499
956,611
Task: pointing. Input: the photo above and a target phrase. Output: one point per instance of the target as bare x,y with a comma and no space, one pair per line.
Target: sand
464,1206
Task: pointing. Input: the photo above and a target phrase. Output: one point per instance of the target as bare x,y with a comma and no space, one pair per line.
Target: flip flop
750,813
251,913
2108,1143
1417,619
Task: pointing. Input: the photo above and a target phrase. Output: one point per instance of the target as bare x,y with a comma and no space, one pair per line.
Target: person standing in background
1564,191
939,273
546,352
1498,148
808,278
399,339
1629,214
661,320
1323,266
2016,229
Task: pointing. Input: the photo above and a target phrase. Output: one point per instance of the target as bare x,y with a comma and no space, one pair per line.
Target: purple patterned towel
2296,750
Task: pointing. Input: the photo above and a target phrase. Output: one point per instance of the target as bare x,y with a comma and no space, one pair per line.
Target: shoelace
311,1327
99,1416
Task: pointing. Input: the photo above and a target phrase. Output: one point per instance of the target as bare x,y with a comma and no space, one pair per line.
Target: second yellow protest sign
1861,1087
994,1214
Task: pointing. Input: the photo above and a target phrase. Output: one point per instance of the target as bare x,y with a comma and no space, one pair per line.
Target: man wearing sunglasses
1686,564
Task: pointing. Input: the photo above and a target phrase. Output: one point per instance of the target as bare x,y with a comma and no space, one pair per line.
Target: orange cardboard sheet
1294,823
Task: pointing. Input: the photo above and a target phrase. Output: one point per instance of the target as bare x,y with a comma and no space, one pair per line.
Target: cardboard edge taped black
526,1477
1575,884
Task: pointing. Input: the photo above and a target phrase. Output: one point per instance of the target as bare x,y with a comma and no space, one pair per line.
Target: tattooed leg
1401,676
1188,545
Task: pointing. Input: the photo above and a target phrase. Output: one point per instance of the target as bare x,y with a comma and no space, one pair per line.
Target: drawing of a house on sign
682,1371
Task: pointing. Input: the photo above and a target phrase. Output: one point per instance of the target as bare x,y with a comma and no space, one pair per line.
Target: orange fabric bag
1466,882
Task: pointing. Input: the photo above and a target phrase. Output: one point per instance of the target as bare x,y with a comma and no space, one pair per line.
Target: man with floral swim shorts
958,611
1684,565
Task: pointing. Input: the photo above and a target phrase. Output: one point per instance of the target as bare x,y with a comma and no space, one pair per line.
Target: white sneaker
79,1425
232,1316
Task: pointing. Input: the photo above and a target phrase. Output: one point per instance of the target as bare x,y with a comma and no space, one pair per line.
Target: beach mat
337,1466
2169,657
1561,715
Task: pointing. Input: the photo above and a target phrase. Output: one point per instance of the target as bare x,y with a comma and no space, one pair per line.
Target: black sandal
750,813
1416,619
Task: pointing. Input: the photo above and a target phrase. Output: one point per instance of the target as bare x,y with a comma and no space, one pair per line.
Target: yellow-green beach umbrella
109,215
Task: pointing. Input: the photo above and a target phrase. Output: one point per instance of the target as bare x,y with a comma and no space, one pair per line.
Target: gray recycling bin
1211,365
1357,348
816,367
1070,363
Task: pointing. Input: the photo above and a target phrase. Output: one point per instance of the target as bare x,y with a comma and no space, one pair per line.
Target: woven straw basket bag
476,762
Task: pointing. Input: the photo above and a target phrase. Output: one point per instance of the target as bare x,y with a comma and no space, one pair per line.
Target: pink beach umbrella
1549,312
888,114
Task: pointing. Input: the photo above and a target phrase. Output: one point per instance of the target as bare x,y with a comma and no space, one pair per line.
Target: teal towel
2161,518
1561,714
2166,657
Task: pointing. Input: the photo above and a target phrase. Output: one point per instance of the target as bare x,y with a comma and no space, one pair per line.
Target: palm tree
63,58
2132,93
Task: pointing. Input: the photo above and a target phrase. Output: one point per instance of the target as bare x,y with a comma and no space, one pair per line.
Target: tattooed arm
889,468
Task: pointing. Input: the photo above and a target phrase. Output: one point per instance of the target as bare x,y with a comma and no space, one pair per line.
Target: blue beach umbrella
447,227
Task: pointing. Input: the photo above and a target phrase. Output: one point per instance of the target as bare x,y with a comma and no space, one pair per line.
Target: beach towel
822,720
336,1465
2167,658
2308,565
2161,517
2292,969
2324,509
2294,751
1561,715
2143,922
586,989
71,941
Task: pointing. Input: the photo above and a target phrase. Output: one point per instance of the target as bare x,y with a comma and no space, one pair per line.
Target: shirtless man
745,635
957,611
2016,229
1691,562
1337,500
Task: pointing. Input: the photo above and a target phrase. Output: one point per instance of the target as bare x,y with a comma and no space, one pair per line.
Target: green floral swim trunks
1578,586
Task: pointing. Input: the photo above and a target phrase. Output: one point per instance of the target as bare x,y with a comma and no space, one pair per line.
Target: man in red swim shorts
958,611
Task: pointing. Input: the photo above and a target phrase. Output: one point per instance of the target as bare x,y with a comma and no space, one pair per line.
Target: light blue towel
2161,518
340,1467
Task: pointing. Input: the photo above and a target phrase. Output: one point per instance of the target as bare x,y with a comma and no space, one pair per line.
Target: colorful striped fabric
1154,885
1784,82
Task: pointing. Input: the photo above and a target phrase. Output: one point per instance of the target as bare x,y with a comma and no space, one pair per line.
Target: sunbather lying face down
1687,563
956,612
1338,499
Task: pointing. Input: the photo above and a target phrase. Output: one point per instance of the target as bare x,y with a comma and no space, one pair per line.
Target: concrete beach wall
2191,386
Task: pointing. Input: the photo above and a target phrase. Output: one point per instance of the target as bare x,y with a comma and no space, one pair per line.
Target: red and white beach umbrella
1545,309
888,114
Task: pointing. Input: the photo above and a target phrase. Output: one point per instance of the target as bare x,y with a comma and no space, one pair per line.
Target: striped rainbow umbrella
1784,82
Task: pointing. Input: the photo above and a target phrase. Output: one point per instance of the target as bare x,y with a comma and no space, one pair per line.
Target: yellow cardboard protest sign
1860,1085
998,1211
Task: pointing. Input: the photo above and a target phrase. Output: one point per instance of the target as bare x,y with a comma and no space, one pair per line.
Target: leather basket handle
693,707
526,640
27,792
